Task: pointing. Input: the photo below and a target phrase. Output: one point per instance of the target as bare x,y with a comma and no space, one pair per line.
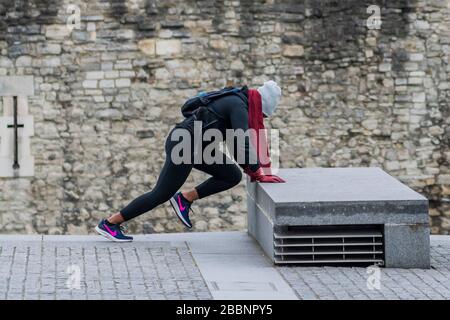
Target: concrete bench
340,216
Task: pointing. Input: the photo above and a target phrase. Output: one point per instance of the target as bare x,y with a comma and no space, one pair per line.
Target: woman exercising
243,109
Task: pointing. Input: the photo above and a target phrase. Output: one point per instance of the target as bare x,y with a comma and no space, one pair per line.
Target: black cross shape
16,138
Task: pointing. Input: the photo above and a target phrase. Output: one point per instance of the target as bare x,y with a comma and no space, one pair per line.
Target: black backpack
191,106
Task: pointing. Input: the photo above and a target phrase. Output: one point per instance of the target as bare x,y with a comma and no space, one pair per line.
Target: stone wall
107,94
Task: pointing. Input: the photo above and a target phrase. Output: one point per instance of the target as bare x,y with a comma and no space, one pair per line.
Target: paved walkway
213,265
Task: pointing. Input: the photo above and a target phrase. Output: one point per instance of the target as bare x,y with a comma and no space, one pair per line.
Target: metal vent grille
329,245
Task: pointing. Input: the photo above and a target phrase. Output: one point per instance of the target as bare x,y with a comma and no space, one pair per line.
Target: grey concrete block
328,195
342,196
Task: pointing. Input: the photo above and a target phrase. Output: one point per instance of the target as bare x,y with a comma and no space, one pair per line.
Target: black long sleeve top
229,112
234,113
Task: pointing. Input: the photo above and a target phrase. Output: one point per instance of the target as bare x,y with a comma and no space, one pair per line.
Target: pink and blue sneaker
181,206
112,232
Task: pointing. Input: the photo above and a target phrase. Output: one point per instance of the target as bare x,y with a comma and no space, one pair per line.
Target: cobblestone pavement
31,268
139,270
352,283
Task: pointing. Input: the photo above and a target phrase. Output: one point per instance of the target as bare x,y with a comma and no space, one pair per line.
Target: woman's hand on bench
259,176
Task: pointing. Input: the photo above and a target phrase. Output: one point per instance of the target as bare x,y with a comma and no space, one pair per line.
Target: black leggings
173,176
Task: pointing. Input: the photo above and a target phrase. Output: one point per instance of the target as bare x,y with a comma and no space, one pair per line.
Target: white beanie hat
270,95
